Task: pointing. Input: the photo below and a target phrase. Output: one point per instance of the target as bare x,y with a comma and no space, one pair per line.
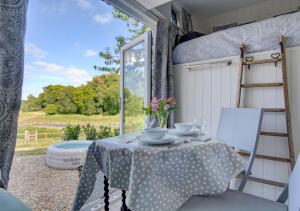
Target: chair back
240,128
294,188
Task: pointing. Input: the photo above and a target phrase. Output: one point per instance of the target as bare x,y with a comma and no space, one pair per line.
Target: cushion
10,203
231,201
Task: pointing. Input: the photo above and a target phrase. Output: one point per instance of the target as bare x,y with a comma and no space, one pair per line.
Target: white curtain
12,32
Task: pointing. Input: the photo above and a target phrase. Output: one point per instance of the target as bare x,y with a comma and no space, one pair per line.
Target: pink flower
155,108
155,104
154,100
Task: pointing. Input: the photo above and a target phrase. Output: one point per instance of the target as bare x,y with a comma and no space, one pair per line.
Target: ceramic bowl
184,127
155,133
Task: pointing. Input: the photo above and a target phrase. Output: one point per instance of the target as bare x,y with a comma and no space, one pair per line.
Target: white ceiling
150,4
209,8
203,8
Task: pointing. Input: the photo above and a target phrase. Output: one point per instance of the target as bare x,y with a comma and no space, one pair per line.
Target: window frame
146,38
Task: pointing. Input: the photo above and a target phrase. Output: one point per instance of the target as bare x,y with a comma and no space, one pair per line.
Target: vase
149,121
163,120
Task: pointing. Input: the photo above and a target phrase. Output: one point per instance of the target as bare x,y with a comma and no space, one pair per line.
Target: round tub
67,155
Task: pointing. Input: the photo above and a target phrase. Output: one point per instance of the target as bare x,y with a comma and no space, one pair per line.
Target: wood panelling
202,91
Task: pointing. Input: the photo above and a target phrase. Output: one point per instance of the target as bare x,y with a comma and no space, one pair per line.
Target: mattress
258,36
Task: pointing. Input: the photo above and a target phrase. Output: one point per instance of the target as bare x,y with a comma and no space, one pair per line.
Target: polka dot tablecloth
157,177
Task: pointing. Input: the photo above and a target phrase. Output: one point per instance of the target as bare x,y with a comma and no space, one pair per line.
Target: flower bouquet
160,109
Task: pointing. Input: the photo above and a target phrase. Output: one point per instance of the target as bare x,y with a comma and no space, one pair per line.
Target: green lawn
35,151
53,125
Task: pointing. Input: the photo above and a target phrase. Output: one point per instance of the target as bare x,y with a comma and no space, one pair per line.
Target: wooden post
36,136
286,102
26,136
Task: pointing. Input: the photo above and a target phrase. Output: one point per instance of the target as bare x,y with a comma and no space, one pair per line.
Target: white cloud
34,50
49,66
90,53
84,4
103,18
76,44
75,75
28,67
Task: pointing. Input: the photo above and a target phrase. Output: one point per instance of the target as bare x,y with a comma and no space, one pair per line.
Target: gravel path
41,187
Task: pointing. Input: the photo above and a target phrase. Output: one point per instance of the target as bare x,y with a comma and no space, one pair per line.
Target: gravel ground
41,187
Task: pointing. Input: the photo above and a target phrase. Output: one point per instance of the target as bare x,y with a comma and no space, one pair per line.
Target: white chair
239,201
240,128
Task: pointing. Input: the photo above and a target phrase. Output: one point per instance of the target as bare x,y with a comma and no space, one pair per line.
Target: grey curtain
12,31
187,24
163,72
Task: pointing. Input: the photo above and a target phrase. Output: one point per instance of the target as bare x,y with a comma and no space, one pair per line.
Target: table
156,177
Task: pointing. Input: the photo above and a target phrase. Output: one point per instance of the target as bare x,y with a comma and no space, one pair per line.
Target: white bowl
184,127
155,133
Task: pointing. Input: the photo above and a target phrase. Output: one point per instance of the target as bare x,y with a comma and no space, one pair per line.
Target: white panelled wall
256,12
203,90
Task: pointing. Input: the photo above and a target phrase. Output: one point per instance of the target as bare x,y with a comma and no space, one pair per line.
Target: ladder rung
274,110
267,133
263,61
266,157
264,181
261,85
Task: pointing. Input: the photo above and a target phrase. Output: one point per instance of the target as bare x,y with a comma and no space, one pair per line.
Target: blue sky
63,39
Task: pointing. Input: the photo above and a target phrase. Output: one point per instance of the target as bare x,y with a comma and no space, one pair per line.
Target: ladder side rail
286,101
242,55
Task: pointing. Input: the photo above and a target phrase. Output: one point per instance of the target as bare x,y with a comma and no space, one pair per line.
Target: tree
99,96
31,104
111,56
61,96
51,109
84,98
107,89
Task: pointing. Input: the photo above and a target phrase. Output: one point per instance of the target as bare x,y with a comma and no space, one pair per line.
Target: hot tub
67,155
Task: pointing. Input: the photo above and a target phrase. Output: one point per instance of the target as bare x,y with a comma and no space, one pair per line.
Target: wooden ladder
277,58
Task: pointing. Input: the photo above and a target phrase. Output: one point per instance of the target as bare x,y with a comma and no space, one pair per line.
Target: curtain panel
163,72
187,24
12,32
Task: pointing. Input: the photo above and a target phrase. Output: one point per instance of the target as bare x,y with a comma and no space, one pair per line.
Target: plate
193,132
167,139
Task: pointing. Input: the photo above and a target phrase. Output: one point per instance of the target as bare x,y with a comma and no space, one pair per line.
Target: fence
29,136
35,136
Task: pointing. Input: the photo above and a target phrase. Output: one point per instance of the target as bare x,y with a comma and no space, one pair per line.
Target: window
174,16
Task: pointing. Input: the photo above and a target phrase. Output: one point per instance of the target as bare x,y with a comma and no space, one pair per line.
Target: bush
51,109
115,131
106,132
90,132
71,132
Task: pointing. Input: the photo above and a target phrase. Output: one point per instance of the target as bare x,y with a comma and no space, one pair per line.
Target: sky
63,39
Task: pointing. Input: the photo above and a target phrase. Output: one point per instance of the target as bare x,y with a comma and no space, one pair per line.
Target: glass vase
163,120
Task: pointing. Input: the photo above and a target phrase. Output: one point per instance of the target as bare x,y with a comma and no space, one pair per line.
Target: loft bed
257,36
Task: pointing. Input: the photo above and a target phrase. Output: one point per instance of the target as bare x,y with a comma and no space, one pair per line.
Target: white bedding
258,36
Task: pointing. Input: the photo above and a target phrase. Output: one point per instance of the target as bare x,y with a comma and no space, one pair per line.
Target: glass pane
134,88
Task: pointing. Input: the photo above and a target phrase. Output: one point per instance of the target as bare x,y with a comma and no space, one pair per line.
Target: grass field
53,126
